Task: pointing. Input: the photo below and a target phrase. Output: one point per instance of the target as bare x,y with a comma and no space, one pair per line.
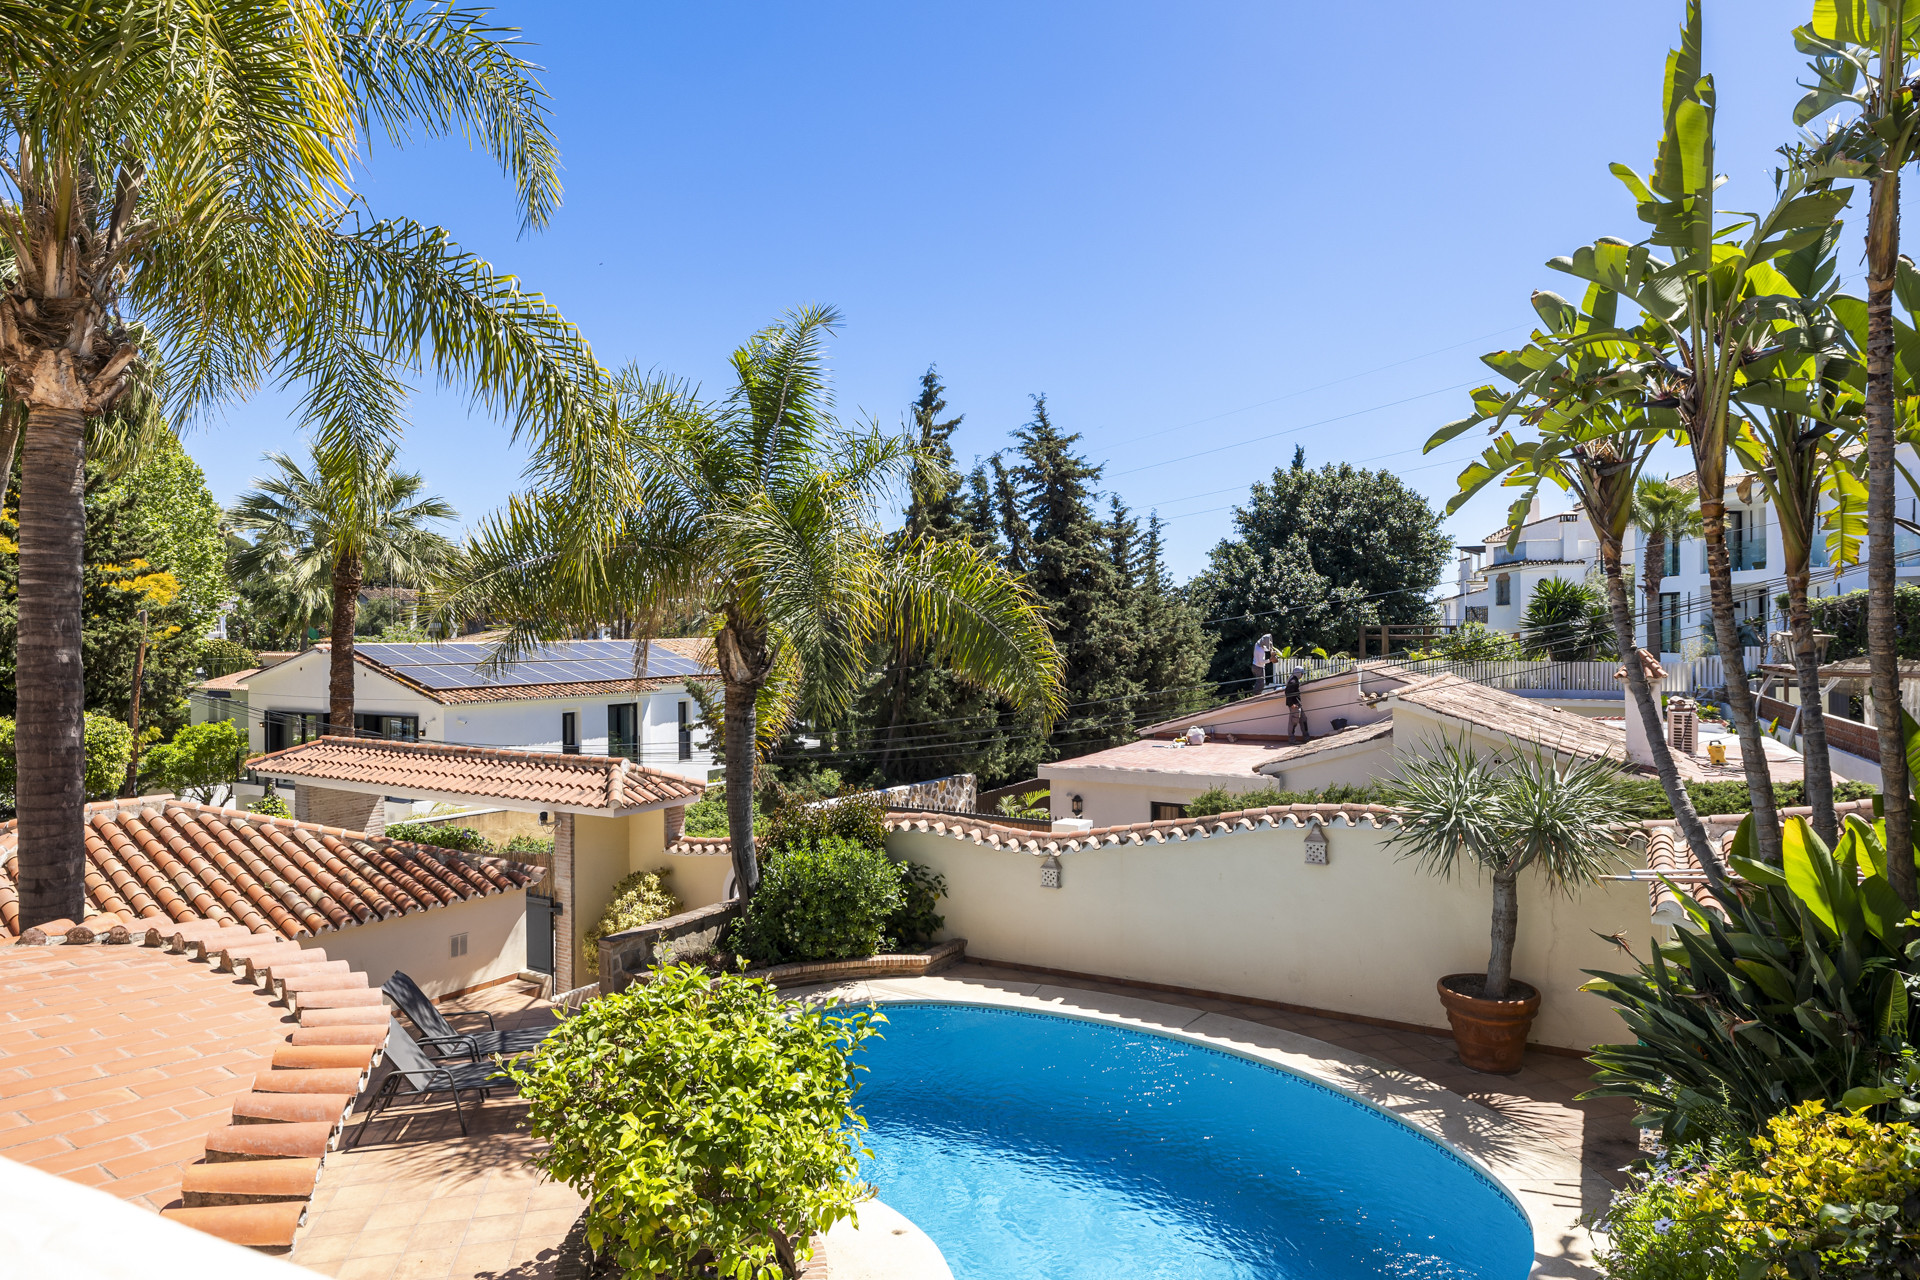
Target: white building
1492,584
575,696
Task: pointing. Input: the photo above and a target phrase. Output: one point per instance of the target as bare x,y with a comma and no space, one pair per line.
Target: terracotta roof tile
596,784
1516,717
158,858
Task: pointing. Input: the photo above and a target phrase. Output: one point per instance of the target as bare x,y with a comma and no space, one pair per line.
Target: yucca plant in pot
1499,815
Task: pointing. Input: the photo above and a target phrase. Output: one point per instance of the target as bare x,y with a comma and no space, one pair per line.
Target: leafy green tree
1317,554
175,522
758,513
179,214
120,579
109,745
1174,650
1566,621
1664,513
706,1121
323,532
199,760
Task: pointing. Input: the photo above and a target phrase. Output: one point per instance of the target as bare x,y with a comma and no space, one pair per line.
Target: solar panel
457,665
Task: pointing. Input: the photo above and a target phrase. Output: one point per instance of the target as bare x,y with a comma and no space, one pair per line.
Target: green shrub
796,819
639,899
270,805
707,816
440,836
1798,990
828,900
1219,800
1845,617
1649,798
523,846
701,1115
223,657
109,746
915,920
1031,804
1822,1195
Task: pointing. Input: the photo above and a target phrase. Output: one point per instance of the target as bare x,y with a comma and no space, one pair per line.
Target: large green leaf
1808,868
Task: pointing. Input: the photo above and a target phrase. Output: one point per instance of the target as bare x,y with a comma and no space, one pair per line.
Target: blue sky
1206,232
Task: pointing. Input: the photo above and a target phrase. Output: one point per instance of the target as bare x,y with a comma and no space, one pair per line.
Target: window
1477,613
291,728
1503,589
1670,622
570,732
1164,812
686,734
403,728
459,947
623,730
1672,569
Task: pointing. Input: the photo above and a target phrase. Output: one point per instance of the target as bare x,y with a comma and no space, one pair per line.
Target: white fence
1683,676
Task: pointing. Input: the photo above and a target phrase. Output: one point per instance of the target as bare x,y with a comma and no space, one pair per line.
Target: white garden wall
1244,914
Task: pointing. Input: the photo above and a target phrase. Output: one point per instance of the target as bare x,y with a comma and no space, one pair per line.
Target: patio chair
414,1075
437,1035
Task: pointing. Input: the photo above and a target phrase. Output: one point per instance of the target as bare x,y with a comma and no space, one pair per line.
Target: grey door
540,913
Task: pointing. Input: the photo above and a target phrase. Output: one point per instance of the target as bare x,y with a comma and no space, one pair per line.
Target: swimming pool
1033,1147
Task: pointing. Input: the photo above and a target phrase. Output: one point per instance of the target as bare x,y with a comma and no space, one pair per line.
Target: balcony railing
1747,552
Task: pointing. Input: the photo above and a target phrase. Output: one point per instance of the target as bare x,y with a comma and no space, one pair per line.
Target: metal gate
540,913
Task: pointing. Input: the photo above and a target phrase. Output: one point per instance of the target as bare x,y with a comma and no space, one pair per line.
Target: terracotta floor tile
488,1230
368,1267
391,1240
449,1209
388,1214
549,1221
477,1259
317,1251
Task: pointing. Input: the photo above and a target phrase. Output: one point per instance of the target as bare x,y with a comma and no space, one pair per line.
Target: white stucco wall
421,944
1244,914
532,724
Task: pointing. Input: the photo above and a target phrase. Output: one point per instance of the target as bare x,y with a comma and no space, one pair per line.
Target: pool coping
1546,1183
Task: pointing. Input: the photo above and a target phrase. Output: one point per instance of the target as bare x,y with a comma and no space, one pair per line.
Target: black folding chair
437,1035
416,1076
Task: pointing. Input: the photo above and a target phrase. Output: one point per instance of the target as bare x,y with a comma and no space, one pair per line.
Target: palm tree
190,165
1501,815
1860,54
756,512
1565,620
1663,513
324,532
1595,436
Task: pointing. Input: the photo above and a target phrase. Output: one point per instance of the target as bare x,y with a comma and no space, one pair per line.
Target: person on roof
1296,714
1264,656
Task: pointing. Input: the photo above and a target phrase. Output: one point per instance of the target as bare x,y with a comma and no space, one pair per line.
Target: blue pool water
1032,1147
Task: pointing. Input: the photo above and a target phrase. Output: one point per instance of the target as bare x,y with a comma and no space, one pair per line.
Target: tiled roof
696,649
984,831
1517,717
168,860
233,680
1670,859
1352,735
1211,759
547,779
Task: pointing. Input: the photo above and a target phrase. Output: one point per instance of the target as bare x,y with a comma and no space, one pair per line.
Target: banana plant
1583,402
1859,54
1800,406
1716,305
1796,987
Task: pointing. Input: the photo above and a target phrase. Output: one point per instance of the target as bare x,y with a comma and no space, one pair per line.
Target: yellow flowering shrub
1826,1195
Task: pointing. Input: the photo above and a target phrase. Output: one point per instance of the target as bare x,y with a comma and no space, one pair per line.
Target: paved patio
417,1201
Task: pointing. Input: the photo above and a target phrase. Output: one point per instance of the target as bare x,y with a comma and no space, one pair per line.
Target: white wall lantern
1050,873
1316,846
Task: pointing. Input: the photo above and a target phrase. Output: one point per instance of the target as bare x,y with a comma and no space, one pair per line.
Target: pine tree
1174,648
1071,567
935,506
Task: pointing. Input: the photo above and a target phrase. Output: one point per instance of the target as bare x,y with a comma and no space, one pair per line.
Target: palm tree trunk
49,733
1883,661
1733,662
737,716
1653,574
346,606
899,709
1506,929
1813,722
1644,705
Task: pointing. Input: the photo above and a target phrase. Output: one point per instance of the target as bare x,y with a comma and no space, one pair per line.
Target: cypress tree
1174,648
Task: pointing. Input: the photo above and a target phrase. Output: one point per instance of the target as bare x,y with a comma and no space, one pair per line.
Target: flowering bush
1823,1195
707,1122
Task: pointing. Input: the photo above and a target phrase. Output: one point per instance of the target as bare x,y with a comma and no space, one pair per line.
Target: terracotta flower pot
1491,1035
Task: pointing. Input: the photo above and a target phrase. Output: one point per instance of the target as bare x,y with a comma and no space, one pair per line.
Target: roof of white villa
1521,719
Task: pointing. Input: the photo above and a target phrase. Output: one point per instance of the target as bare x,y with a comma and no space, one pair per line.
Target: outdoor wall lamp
1050,873
1316,846
1078,806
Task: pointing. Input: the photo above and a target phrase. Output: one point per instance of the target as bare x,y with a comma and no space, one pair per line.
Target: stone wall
956,793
